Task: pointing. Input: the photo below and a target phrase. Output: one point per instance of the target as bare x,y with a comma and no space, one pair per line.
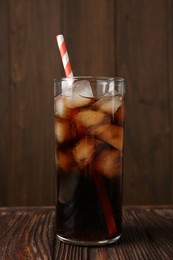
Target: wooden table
28,233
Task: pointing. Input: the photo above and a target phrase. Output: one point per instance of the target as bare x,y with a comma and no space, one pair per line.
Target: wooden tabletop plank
29,233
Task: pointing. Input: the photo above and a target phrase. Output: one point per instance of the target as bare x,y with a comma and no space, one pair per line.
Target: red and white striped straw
64,55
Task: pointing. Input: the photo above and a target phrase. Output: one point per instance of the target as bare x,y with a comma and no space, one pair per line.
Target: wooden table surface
28,233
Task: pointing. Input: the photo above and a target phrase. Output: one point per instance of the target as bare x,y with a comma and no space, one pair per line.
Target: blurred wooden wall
131,39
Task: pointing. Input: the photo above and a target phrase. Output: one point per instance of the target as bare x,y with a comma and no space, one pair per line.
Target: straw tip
59,36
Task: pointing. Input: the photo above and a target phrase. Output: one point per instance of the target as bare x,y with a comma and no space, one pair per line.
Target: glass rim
117,79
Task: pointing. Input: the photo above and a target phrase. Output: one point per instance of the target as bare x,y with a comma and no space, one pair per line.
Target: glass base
88,243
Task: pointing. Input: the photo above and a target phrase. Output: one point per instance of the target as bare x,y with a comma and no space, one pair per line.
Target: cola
89,127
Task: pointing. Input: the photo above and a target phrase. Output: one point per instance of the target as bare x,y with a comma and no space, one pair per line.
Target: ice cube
108,104
76,100
98,129
63,130
110,134
65,160
89,118
108,163
67,185
84,151
119,116
60,108
95,89
103,87
84,88
66,87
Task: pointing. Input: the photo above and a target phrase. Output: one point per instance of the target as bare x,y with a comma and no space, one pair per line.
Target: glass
89,133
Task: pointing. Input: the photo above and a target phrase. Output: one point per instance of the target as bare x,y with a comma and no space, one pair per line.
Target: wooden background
131,39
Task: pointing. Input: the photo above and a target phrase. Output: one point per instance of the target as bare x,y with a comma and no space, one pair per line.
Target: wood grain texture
33,66
170,74
89,30
28,233
142,58
5,124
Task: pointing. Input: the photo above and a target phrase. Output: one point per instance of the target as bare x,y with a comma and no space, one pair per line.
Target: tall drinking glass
89,127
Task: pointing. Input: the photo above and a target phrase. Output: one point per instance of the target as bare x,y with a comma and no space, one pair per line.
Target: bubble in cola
89,120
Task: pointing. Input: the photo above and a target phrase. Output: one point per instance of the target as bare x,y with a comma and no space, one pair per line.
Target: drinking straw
64,55
111,225
109,218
